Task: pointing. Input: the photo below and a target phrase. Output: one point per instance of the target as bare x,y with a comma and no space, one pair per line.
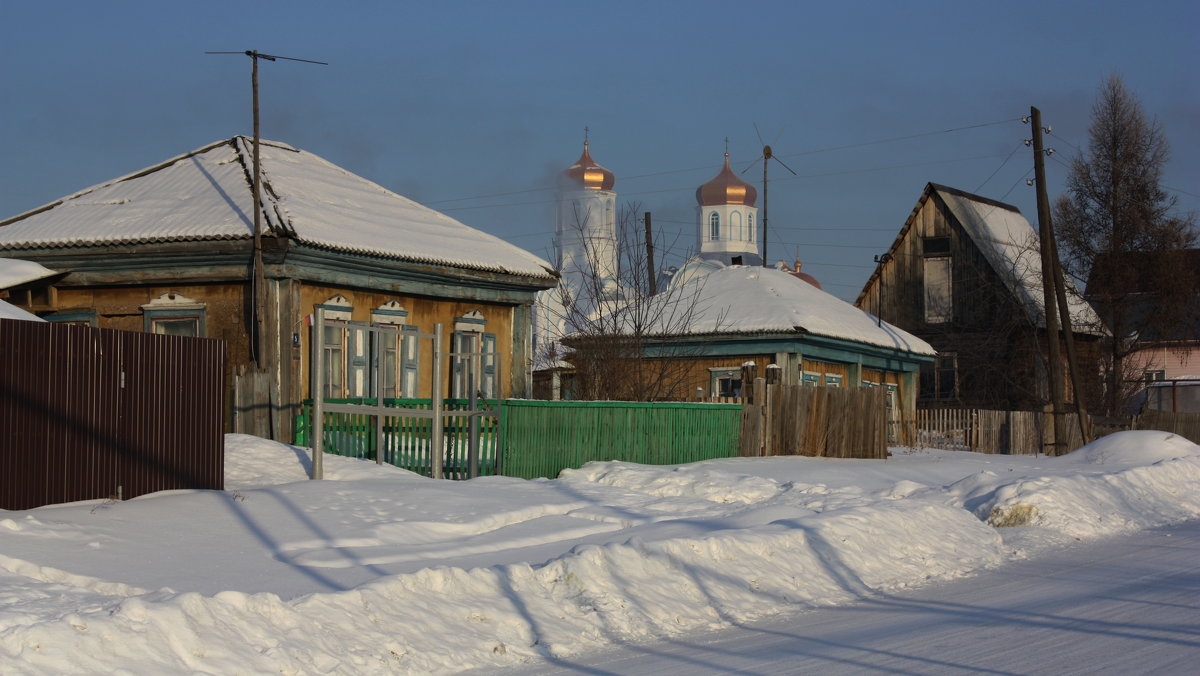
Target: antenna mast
766,158
258,283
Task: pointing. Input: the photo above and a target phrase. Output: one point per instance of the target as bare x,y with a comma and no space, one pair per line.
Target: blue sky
449,101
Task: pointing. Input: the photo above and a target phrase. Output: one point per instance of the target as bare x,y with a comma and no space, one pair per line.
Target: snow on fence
91,413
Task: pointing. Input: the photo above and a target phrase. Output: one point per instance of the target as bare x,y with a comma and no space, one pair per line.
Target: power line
709,166
788,178
993,175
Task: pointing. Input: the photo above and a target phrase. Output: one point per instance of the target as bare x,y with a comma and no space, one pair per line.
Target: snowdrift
377,570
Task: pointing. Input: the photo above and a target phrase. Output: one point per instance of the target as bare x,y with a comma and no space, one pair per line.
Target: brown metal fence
96,413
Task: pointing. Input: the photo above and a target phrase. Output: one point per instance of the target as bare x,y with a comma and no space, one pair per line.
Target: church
721,307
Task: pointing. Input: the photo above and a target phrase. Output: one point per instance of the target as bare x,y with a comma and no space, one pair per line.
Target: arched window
750,231
735,226
714,226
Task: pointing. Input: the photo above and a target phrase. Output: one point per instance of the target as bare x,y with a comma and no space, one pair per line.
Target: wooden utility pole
258,284
766,161
650,275
1049,296
1064,313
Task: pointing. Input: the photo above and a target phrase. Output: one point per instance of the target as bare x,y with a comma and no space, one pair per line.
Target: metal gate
473,364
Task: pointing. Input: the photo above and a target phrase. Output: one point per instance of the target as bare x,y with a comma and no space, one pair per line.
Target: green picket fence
531,439
542,438
405,440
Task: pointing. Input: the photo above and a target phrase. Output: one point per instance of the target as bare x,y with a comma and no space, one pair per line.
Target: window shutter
489,365
410,351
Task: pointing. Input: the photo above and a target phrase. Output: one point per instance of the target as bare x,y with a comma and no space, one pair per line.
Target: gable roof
207,195
747,300
1010,245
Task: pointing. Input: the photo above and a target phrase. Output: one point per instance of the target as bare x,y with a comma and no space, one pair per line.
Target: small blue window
714,226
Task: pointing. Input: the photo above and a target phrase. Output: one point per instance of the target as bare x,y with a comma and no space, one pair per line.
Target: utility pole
258,285
1049,295
653,285
766,161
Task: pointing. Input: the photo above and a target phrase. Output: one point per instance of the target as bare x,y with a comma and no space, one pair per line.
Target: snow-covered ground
377,570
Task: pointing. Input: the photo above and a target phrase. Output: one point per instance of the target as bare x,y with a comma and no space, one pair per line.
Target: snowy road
1120,606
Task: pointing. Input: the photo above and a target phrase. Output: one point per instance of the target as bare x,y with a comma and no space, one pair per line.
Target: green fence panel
542,438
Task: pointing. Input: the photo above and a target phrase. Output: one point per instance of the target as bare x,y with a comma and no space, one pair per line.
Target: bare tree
1119,229
612,336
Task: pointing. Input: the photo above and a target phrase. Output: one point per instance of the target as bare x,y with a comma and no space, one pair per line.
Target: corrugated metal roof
207,194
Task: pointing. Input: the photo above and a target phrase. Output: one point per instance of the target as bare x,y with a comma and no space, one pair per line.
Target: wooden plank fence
827,422
1025,432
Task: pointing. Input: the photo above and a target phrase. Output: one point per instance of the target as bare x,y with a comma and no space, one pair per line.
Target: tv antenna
259,283
766,158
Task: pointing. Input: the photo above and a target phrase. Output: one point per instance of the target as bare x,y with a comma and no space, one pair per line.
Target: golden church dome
588,174
726,188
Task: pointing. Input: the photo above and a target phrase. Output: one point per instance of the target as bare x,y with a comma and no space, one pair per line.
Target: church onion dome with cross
588,174
725,188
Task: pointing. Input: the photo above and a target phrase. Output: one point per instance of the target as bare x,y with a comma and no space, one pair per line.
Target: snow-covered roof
10,311
743,299
207,195
14,272
1010,245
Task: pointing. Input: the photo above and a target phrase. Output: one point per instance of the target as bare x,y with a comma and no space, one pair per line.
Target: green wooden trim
817,348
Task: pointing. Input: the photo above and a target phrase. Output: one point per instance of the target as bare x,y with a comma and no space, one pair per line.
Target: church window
750,227
714,226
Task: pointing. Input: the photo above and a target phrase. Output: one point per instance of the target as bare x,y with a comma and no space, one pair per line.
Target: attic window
935,246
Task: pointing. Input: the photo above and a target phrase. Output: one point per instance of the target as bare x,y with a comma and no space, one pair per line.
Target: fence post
318,396
749,373
437,444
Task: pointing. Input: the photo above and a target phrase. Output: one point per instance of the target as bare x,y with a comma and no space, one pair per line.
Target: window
474,361
935,246
1151,375
725,382
714,226
939,307
832,380
810,379
750,231
939,380
76,317
174,314
332,361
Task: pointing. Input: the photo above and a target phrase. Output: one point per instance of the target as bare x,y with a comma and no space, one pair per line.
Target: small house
964,274
173,249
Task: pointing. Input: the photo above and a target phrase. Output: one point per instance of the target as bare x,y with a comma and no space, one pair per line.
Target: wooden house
704,328
171,249
965,275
